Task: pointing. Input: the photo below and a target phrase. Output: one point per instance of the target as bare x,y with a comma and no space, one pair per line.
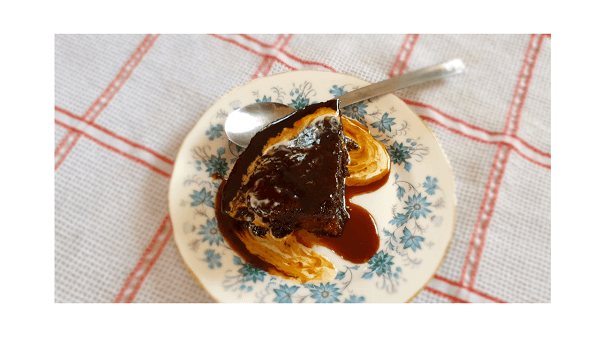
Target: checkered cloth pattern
124,103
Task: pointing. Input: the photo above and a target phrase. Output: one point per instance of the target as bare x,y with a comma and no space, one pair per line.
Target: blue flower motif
198,165
385,123
430,185
416,206
264,99
325,293
355,299
251,273
284,293
356,111
211,232
202,197
299,103
398,153
217,164
215,131
212,259
399,219
380,264
337,91
411,241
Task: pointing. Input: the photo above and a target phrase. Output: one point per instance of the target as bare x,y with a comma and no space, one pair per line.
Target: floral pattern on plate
414,231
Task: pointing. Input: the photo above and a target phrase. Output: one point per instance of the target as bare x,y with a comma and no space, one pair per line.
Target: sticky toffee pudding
291,189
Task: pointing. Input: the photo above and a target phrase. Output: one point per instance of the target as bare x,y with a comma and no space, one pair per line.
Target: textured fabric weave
124,103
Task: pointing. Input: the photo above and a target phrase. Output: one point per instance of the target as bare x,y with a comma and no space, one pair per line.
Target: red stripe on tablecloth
140,263
450,117
307,62
125,140
531,160
127,76
526,89
410,50
547,35
435,121
400,53
71,146
112,83
147,40
260,66
485,226
271,61
532,148
151,264
516,93
491,176
274,57
456,284
491,133
419,104
439,293
113,149
486,195
267,58
432,120
278,39
237,44
107,92
62,142
286,42
511,115
515,129
262,44
269,67
270,64
251,50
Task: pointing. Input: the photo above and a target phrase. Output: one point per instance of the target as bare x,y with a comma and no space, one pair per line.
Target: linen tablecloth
124,103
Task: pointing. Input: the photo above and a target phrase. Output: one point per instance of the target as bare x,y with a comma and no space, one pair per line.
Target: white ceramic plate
415,210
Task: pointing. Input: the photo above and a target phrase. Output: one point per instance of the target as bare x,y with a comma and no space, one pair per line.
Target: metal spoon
242,124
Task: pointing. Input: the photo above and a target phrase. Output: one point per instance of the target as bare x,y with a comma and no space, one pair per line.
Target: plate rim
179,151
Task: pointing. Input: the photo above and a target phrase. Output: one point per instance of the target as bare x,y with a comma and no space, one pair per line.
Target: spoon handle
432,73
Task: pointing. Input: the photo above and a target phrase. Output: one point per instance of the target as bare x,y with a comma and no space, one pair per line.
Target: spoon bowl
242,124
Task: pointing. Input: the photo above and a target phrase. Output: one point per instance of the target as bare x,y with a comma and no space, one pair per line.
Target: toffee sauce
359,241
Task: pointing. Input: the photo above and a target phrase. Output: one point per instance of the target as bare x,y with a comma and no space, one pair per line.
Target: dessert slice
290,180
292,176
287,193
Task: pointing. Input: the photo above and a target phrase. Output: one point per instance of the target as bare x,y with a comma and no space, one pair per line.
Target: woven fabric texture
124,104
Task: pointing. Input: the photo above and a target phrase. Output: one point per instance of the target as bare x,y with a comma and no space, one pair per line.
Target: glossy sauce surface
359,240
228,228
